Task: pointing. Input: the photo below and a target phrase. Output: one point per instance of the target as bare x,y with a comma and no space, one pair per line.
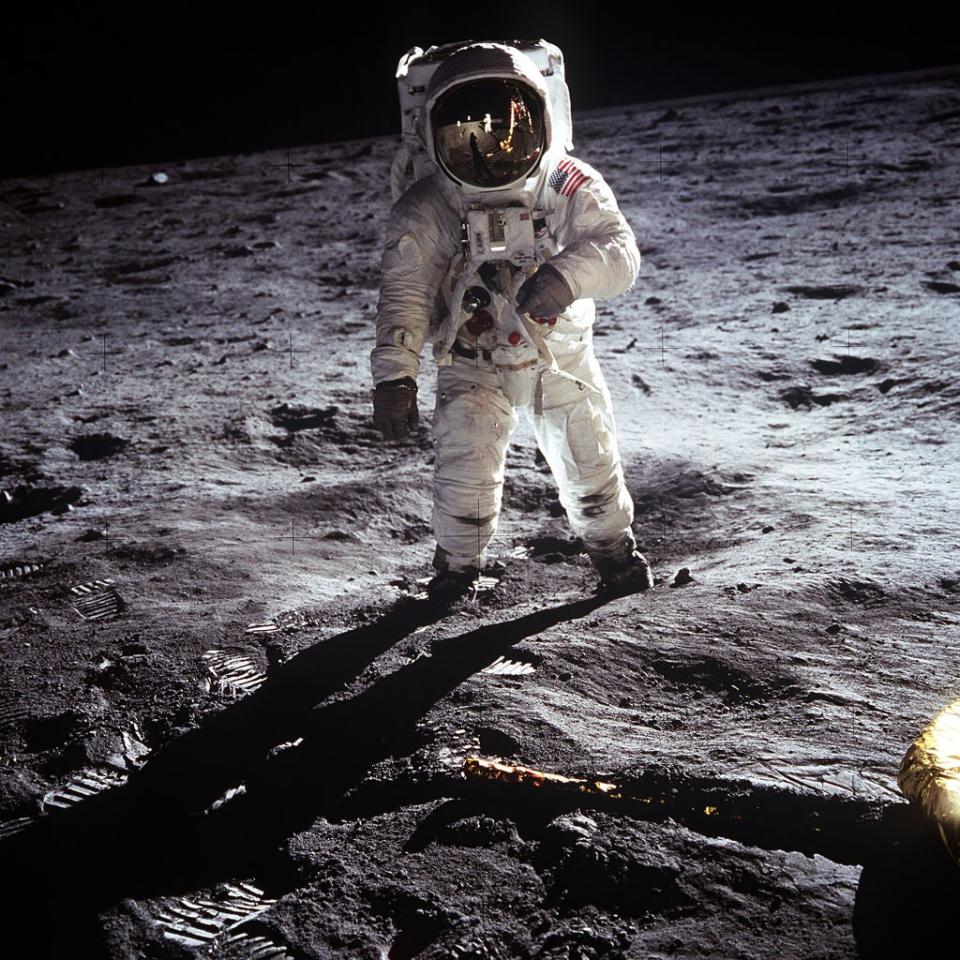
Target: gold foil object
930,775
495,770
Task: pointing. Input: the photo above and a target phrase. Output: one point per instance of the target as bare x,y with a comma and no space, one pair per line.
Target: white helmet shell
491,61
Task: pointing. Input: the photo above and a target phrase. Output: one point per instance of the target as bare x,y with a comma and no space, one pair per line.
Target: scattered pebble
667,117
682,577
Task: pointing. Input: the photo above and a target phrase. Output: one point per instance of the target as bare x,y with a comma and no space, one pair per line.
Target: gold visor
489,133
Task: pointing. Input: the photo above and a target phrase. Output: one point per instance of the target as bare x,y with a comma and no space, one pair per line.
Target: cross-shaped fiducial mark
104,353
289,164
293,537
106,539
662,335
289,349
852,344
845,162
663,520
658,161
479,570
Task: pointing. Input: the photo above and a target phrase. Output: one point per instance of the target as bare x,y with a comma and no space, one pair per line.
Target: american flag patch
568,178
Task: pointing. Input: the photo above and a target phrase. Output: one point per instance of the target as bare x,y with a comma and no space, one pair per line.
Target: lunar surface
230,728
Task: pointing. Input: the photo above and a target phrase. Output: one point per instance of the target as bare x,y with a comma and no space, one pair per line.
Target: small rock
768,529
243,250
834,628
157,179
682,577
666,117
569,828
118,200
781,307
938,286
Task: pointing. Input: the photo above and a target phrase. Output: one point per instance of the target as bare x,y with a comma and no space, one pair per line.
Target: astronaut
498,256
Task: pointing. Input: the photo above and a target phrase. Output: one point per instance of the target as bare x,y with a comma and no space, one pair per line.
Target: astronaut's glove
545,294
395,407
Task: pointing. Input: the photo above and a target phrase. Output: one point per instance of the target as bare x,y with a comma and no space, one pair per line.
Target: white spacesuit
497,257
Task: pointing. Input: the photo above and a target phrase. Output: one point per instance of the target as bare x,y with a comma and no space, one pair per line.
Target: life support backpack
417,66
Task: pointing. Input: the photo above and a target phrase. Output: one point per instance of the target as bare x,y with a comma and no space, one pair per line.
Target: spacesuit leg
578,437
472,424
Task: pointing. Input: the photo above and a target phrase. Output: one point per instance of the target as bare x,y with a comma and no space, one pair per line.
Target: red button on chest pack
514,338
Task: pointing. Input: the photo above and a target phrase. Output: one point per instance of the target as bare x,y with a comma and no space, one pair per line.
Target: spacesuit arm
415,259
599,256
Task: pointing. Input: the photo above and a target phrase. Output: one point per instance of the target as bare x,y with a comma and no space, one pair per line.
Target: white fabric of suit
594,249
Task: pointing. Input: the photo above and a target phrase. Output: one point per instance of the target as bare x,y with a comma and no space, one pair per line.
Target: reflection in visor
489,133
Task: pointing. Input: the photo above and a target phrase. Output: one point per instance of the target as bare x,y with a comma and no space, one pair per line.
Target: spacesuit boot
447,586
632,575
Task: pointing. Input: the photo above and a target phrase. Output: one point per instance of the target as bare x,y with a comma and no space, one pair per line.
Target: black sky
89,86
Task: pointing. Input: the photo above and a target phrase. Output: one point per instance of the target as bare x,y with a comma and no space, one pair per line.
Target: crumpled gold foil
930,775
507,773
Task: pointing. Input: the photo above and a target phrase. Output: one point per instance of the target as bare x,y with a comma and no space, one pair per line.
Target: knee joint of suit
596,503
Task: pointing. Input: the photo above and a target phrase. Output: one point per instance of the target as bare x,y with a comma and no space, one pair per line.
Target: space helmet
489,121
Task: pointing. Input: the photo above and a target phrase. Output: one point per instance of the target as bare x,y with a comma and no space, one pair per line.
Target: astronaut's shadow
152,836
